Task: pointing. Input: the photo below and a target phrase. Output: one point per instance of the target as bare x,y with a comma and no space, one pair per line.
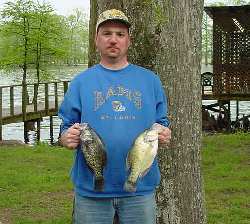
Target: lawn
35,186
226,170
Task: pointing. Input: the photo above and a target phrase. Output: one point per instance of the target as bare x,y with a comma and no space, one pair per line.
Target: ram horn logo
117,106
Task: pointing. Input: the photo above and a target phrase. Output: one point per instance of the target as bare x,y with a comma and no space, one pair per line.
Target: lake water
15,131
244,108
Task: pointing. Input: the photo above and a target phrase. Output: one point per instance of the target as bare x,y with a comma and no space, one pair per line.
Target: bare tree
167,39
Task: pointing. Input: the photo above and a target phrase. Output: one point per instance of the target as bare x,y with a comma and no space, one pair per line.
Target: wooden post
25,132
38,131
65,86
35,96
237,109
1,114
229,116
24,100
12,101
56,95
47,98
229,110
116,219
51,129
202,84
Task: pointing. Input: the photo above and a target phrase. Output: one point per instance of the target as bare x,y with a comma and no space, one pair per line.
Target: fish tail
130,186
99,183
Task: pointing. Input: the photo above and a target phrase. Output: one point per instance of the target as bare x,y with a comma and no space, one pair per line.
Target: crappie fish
141,156
94,152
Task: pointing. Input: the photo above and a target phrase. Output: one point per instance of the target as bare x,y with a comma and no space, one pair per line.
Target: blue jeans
131,210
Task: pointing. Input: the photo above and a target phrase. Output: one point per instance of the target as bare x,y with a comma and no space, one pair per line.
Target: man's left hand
164,135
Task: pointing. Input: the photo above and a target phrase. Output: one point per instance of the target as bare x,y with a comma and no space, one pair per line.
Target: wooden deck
208,92
31,114
30,102
240,97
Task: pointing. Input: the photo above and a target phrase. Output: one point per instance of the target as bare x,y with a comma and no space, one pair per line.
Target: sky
64,7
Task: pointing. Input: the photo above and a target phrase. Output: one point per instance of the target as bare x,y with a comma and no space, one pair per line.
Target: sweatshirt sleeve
70,109
161,105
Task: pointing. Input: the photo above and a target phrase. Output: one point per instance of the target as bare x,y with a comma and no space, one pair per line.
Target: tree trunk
166,38
179,57
25,94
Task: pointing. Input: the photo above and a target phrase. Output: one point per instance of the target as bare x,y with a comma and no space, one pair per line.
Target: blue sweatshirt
118,105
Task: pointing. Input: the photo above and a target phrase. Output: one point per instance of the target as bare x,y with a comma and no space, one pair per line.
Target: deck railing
24,102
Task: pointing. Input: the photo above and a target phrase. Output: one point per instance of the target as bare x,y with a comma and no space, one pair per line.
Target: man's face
112,40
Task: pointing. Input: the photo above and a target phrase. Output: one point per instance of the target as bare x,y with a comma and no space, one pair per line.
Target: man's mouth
113,48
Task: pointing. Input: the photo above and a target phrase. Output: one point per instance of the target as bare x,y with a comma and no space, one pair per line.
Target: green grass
226,170
35,186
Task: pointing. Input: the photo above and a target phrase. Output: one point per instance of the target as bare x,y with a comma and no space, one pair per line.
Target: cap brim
118,20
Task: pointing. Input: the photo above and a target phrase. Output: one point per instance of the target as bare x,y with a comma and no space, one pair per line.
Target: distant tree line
33,36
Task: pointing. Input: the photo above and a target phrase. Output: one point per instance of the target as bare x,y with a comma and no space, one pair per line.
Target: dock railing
26,102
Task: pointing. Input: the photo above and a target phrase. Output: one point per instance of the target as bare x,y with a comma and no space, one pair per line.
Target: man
119,101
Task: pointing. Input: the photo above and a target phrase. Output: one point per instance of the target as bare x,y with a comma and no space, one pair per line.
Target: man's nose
113,38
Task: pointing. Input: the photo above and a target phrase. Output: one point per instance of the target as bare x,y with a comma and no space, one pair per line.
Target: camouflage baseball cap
112,14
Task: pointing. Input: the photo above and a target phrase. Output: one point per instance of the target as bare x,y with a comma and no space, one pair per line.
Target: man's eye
106,34
121,34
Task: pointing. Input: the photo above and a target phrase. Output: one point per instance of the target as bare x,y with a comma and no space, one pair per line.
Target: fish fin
128,165
99,184
129,186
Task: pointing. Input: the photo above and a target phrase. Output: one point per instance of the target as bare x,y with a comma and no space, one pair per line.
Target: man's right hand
71,137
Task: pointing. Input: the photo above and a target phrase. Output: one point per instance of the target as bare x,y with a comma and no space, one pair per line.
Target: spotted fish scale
94,153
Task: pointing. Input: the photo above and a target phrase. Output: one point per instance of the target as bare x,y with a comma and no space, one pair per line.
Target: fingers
71,138
74,131
164,136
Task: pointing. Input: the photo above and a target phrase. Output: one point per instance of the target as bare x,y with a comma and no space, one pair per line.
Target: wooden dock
30,103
